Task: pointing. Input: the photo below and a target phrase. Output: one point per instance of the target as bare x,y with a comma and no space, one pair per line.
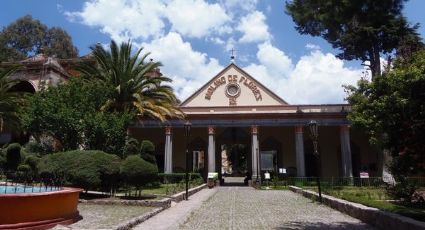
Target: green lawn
167,189
375,197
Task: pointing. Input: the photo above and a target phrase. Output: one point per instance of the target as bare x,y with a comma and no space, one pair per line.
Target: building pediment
233,87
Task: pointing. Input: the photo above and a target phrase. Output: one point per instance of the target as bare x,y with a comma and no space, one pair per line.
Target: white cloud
162,26
254,28
230,44
188,68
239,5
312,46
123,19
316,77
146,19
275,59
196,18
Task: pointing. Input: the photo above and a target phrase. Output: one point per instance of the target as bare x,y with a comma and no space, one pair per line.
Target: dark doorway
234,156
23,86
198,162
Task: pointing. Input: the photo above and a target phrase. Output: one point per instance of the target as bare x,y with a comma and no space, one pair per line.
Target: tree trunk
375,62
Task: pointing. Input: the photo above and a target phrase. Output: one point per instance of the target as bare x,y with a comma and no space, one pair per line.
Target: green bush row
97,170
167,178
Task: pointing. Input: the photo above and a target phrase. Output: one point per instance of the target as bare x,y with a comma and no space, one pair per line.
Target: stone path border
372,216
137,220
163,203
182,195
173,217
160,205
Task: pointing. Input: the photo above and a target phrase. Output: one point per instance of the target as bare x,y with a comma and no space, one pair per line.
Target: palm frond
136,88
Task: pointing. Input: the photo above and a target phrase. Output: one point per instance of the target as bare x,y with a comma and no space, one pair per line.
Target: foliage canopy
361,29
392,110
54,41
10,101
137,85
70,113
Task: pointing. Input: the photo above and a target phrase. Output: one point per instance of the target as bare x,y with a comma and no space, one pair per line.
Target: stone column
211,149
299,150
347,169
255,152
168,155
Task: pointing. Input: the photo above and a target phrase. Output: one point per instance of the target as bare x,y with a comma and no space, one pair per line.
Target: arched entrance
23,86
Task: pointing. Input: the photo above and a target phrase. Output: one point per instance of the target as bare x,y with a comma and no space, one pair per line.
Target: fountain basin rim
63,190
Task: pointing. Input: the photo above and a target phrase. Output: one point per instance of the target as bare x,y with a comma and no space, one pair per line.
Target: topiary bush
147,151
147,147
13,156
137,172
24,173
132,147
88,169
2,160
32,161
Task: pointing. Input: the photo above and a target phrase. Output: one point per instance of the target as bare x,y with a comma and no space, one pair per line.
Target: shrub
32,161
403,189
45,145
132,147
88,169
171,178
137,172
147,151
13,156
147,147
24,173
2,161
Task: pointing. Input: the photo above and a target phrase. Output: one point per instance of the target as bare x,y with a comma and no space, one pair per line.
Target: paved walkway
247,208
173,217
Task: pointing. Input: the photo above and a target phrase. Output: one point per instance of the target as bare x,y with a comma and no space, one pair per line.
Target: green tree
362,29
137,84
85,169
10,102
13,156
138,172
26,36
70,113
391,109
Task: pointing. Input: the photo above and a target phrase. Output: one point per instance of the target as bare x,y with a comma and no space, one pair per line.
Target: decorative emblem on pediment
233,88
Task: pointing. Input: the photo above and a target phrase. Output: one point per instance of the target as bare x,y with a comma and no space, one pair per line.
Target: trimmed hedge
14,156
168,178
137,172
88,169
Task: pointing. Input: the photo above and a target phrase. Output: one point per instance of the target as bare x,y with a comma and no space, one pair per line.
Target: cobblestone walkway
246,208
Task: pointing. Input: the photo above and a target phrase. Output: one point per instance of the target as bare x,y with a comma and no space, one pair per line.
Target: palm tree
136,83
9,101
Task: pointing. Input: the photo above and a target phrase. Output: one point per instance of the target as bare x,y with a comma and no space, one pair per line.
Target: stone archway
23,86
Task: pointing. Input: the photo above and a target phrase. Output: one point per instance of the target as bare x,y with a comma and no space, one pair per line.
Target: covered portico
233,108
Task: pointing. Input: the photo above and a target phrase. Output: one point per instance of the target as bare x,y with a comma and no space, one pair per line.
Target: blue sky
193,38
